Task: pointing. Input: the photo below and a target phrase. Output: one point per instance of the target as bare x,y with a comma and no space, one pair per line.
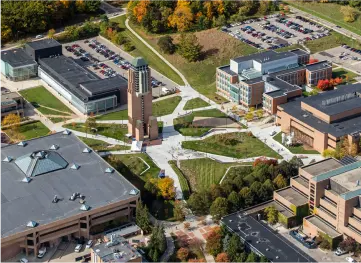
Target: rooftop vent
305,115
109,170
66,132
26,180
31,224
86,150
84,207
134,192
54,147
23,143
8,159
75,166
55,199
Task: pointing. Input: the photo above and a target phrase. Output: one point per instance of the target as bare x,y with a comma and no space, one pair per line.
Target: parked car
42,252
78,248
24,260
272,133
89,244
350,259
340,252
39,36
298,237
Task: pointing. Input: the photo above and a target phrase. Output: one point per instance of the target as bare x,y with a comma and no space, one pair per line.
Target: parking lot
274,31
341,56
106,60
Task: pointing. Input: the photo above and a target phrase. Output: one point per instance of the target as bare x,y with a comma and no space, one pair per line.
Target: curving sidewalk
156,52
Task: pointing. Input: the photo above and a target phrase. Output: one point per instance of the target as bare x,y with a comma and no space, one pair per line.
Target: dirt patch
214,122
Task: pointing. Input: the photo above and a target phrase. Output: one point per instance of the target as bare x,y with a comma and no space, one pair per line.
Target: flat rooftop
51,175
227,69
265,57
17,58
299,52
43,43
101,86
293,196
344,98
301,181
322,166
318,65
350,180
119,251
267,241
323,226
282,86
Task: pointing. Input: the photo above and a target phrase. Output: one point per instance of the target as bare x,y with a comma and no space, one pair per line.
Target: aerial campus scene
181,131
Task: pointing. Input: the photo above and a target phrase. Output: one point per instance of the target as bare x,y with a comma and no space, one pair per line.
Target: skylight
26,180
86,150
23,143
54,147
31,224
134,192
66,132
8,159
109,170
84,207
75,166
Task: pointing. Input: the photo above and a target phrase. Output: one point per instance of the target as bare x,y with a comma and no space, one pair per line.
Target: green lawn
183,124
328,11
343,73
116,131
33,130
57,119
142,50
195,103
166,106
182,180
218,49
41,96
160,108
202,173
101,146
236,144
297,149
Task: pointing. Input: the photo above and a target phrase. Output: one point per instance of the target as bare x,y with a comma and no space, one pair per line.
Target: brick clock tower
141,123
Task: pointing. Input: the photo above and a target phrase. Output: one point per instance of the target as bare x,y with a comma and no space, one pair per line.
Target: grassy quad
101,146
142,50
183,124
46,102
31,130
236,144
116,131
297,149
202,173
195,104
160,108
182,180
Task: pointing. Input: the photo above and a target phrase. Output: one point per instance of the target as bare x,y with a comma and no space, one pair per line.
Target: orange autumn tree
182,16
222,257
166,188
220,6
323,84
140,10
313,60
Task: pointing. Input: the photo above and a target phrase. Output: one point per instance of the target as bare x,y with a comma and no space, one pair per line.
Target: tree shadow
208,53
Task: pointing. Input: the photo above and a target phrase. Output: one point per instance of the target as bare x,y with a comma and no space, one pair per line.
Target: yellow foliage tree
182,17
12,121
220,6
141,9
166,188
209,7
51,33
6,33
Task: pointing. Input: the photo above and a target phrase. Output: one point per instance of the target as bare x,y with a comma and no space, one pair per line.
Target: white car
340,252
89,244
39,36
350,259
42,252
24,260
78,248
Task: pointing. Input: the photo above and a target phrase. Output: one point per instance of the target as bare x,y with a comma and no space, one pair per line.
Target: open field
298,149
343,73
142,50
184,124
328,11
237,144
116,131
44,101
202,173
30,130
101,146
160,108
182,180
195,104
218,48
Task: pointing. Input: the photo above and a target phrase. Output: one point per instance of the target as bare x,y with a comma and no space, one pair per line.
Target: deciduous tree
222,257
280,181
214,242
272,215
166,188
183,254
182,17
219,208
166,45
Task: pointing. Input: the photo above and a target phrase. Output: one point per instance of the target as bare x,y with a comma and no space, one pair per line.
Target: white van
42,252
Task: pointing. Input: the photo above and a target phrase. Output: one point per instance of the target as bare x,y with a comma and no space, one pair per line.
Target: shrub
128,47
166,45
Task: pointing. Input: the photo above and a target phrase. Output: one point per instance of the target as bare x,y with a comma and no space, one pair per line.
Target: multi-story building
11,103
322,121
17,65
56,188
140,119
115,248
330,191
269,78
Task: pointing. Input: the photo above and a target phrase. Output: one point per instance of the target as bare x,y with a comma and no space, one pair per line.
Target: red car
75,46
102,72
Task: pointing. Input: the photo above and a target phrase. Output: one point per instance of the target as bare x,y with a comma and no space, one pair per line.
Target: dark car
298,237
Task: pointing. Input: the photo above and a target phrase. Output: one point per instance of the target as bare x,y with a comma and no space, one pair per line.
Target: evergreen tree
142,217
234,248
189,48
